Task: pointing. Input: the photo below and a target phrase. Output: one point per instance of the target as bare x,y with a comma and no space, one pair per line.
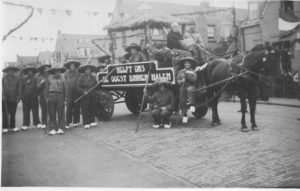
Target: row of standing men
52,88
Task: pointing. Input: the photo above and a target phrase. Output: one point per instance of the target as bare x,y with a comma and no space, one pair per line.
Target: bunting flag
40,10
53,11
95,13
68,12
287,26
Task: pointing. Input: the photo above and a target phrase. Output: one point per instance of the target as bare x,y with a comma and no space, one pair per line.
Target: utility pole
234,26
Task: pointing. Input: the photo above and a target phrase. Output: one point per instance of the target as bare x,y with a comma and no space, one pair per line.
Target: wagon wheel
200,111
133,100
105,105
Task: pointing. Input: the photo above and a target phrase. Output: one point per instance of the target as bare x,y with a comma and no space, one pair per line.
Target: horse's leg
217,113
252,105
244,127
210,95
214,105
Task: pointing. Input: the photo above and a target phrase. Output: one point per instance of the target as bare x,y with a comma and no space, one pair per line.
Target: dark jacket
71,79
29,88
173,40
162,99
86,82
11,88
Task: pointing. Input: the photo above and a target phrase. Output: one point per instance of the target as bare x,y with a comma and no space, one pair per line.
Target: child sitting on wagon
187,79
161,104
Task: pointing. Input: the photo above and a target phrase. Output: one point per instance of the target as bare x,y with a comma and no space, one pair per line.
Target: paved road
194,155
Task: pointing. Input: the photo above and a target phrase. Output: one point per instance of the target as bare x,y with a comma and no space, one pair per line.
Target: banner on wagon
135,74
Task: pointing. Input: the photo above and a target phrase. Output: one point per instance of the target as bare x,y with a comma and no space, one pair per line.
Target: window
83,52
226,30
288,6
58,56
124,38
253,10
211,32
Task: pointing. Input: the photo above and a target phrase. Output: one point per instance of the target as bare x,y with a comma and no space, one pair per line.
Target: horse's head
265,61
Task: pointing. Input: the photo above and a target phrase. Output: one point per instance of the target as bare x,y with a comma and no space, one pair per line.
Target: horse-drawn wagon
125,82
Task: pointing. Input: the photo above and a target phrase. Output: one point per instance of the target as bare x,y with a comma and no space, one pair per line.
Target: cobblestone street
203,156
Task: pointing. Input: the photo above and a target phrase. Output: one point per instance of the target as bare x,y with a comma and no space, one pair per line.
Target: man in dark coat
73,109
29,96
10,99
174,37
42,77
88,103
286,61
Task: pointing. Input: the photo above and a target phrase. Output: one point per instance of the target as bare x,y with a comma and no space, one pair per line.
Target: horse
253,63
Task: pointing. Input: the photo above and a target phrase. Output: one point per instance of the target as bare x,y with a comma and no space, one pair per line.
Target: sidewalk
288,102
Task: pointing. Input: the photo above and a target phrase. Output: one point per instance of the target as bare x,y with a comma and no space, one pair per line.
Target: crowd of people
54,90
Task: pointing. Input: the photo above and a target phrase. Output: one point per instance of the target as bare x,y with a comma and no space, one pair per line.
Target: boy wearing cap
29,96
10,99
55,96
161,104
135,53
88,103
187,78
73,109
103,62
41,84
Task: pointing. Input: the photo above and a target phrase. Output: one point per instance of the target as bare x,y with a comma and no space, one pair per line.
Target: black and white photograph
150,94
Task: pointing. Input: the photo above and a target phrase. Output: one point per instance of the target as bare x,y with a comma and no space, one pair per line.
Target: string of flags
67,12
50,39
33,39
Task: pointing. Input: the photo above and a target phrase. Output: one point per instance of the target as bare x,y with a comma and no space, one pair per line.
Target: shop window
211,32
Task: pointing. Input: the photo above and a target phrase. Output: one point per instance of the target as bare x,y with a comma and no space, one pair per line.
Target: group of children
162,102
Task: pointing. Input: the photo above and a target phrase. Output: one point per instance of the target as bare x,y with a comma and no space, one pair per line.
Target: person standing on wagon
55,95
161,104
29,96
10,99
187,79
174,37
103,62
88,103
73,108
135,53
41,85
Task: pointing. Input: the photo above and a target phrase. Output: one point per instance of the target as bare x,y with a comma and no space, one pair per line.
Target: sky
82,21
